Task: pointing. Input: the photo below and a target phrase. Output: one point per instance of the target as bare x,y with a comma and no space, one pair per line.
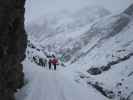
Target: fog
37,8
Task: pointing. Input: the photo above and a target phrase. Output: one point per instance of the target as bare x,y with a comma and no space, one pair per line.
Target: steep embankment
107,67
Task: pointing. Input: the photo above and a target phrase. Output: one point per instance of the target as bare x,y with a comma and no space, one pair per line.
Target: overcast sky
37,8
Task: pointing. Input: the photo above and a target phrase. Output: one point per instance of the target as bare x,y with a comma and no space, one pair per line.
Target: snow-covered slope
107,63
72,46
59,32
101,31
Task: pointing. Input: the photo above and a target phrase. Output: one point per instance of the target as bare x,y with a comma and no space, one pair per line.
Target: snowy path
55,85
49,86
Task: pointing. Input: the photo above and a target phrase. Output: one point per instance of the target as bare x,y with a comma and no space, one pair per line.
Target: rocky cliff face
12,47
129,10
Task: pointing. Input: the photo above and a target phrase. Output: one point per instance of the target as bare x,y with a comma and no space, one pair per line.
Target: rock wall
13,42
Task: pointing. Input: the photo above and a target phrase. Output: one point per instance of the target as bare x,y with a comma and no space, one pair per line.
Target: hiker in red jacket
54,61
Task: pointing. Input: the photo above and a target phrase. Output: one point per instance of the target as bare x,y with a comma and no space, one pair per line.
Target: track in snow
54,85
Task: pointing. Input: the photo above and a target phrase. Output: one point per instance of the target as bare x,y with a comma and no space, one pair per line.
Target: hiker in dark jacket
49,63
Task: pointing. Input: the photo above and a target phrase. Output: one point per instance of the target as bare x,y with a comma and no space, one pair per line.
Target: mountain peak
129,10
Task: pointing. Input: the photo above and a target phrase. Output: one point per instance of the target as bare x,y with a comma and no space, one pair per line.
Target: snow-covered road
53,85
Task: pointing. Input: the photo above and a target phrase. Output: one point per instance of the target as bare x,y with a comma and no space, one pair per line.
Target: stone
94,71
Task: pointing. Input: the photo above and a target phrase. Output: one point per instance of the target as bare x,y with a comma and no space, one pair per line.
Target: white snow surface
53,85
